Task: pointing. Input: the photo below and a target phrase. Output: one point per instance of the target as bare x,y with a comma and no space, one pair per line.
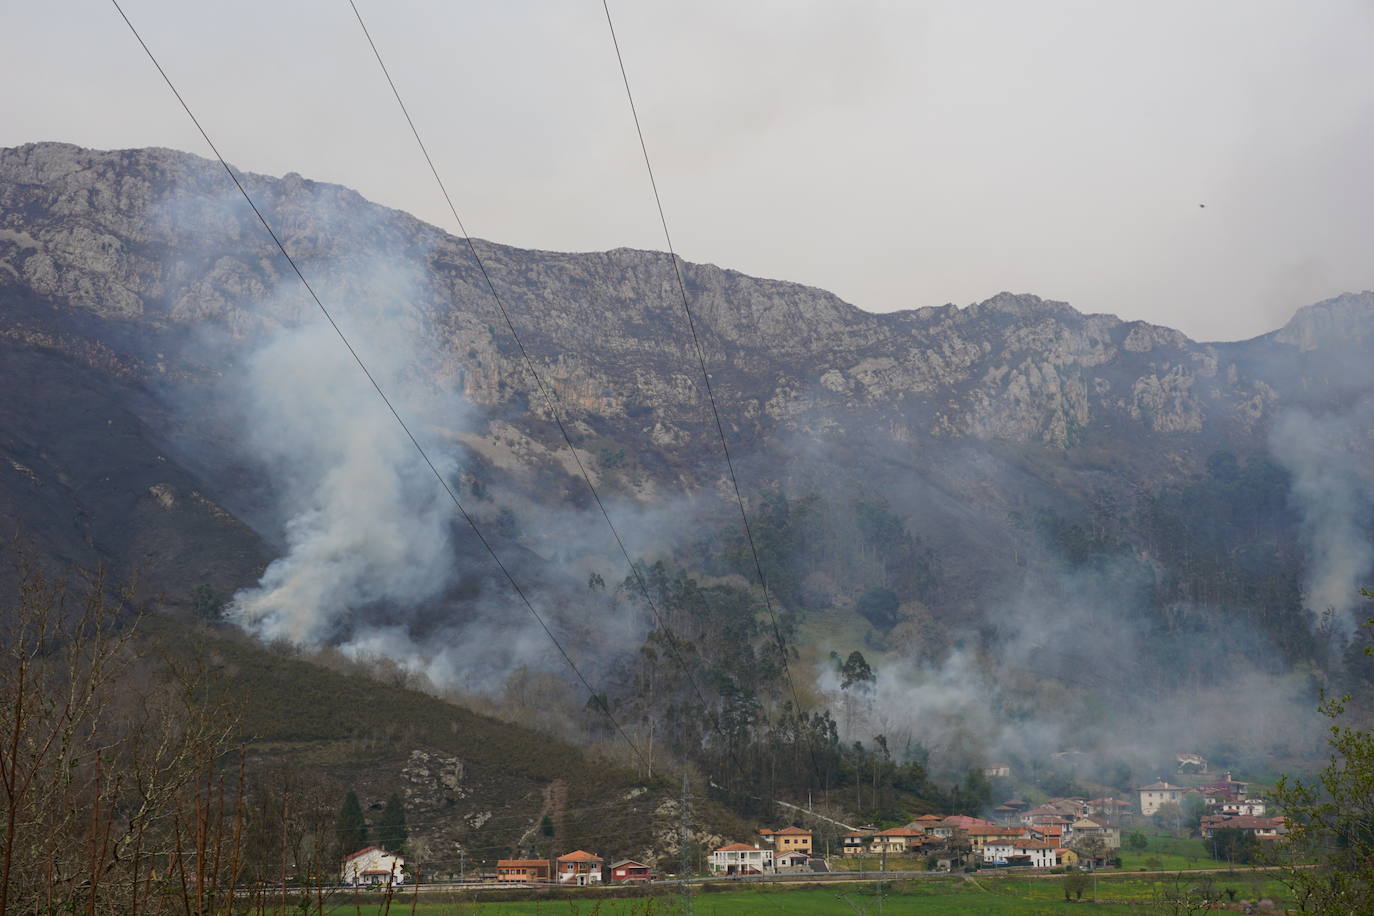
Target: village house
1067,857
1059,833
895,840
628,871
1225,787
580,868
997,850
525,871
1087,828
1248,807
979,837
1110,808
741,859
1035,853
925,822
1264,828
955,824
853,844
788,839
372,865
792,862
1158,794
997,771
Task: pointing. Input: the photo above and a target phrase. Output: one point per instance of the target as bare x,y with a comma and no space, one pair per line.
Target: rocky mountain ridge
126,262
151,239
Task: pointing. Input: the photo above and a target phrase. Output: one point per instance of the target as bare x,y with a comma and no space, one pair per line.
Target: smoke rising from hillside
365,520
1324,454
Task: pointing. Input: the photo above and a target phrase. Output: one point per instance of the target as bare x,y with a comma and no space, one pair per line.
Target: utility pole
683,858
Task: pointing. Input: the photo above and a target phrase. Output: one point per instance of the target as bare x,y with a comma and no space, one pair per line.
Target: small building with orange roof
525,871
579,868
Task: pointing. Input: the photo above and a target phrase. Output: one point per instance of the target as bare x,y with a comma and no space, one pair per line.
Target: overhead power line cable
546,392
701,361
381,393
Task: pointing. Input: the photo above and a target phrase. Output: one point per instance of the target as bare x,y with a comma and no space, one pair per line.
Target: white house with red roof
741,859
372,865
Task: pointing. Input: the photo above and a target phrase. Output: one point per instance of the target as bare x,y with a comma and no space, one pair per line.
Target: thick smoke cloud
365,520
1332,490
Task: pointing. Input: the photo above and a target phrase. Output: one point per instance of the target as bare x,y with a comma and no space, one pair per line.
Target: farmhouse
628,871
580,868
1264,828
372,865
539,871
789,839
980,837
853,844
740,859
1036,853
1158,794
1087,828
896,840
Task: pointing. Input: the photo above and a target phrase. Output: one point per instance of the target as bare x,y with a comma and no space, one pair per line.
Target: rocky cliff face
116,259
151,242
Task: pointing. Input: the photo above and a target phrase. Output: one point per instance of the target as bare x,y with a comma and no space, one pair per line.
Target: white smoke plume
365,520
1325,456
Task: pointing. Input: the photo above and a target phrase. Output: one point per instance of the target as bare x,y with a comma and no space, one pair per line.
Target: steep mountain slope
1013,479
119,257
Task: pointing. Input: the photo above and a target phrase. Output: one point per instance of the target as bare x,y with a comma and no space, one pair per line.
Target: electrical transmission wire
605,708
550,398
701,360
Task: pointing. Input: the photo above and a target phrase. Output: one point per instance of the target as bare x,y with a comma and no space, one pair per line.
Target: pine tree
352,827
391,829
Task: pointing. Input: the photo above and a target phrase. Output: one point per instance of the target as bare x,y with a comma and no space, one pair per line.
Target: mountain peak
1345,319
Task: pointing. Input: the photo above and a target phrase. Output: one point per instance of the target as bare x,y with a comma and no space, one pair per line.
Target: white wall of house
1040,858
996,851
723,860
1151,800
373,866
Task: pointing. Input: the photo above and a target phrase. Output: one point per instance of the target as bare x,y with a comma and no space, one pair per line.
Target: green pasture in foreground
952,896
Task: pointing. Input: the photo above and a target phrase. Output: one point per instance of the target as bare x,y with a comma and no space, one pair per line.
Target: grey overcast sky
898,154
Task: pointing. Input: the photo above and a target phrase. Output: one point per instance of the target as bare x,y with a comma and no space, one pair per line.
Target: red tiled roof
995,831
1245,822
1034,844
580,856
930,817
351,857
521,863
792,831
738,847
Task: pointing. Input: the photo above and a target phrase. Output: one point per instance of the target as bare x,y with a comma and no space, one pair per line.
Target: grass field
1166,852
952,896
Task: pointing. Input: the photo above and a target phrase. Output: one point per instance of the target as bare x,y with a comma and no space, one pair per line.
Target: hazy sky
898,154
